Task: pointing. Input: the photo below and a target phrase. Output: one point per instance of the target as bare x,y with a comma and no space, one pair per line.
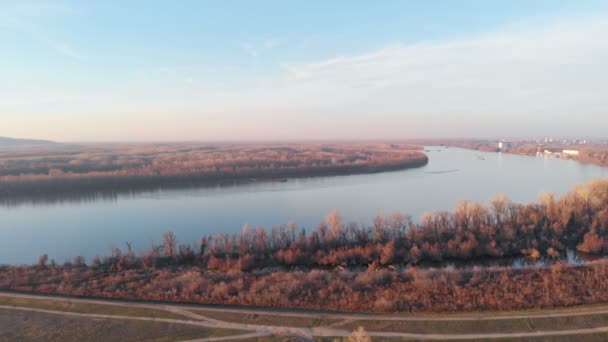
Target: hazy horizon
272,71
415,141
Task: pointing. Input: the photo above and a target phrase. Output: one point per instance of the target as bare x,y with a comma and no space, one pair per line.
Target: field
88,308
504,325
28,318
28,326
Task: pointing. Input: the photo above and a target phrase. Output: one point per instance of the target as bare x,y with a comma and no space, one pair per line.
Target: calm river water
66,228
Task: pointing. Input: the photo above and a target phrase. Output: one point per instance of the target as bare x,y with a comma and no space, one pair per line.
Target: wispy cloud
544,76
554,67
60,47
550,77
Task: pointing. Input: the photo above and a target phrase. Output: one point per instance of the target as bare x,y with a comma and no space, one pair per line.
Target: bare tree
292,228
334,221
79,261
169,243
203,243
500,206
129,247
42,261
388,253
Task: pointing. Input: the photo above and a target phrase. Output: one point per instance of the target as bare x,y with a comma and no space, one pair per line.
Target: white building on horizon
571,152
505,144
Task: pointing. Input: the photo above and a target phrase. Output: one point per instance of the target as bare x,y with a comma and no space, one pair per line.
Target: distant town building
552,151
558,153
505,144
571,152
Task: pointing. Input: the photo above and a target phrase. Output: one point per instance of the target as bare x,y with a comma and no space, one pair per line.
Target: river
89,225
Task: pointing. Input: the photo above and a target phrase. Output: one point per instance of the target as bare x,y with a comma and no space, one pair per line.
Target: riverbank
596,154
351,267
140,168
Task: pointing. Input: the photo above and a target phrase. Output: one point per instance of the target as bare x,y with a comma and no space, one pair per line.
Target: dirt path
328,331
183,309
340,323
120,317
186,313
260,331
233,337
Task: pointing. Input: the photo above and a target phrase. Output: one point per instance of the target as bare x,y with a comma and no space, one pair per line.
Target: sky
294,70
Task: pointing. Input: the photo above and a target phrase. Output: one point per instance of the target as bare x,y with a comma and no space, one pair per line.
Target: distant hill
11,142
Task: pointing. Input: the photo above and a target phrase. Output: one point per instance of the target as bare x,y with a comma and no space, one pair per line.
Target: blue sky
259,70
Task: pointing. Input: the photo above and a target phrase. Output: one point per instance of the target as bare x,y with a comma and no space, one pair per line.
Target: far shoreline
100,187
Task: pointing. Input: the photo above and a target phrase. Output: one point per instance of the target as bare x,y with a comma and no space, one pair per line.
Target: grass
266,319
21,325
33,326
481,326
87,308
535,311
599,337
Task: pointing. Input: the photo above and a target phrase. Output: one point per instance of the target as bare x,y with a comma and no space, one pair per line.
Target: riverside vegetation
342,266
70,168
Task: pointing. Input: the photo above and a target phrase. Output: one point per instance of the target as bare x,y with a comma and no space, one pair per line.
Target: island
68,168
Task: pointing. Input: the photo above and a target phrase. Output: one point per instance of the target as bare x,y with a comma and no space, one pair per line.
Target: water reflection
60,198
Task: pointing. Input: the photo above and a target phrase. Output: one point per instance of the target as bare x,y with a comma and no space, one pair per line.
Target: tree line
372,290
75,169
548,228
